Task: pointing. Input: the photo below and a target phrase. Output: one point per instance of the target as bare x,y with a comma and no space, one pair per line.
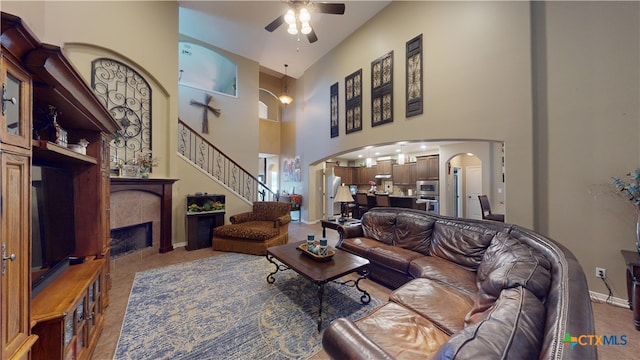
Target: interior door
473,177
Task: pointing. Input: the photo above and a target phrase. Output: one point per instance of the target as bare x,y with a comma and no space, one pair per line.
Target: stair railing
209,159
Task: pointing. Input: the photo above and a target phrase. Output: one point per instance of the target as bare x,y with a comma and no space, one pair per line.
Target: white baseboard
602,298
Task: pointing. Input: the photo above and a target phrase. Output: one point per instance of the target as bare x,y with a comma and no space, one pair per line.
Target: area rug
223,308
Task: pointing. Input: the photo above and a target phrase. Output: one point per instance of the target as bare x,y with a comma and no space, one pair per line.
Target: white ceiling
238,27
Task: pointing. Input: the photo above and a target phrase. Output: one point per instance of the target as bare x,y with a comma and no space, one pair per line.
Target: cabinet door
15,238
433,167
15,117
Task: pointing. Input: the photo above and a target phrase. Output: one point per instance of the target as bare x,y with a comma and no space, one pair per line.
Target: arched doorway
463,185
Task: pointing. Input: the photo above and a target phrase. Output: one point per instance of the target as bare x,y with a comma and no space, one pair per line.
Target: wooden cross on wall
205,114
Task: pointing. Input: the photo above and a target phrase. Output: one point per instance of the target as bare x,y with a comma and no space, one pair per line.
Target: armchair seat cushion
252,230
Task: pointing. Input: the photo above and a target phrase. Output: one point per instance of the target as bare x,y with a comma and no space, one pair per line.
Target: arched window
205,69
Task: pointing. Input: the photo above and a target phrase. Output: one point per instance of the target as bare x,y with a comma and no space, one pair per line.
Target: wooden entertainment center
64,320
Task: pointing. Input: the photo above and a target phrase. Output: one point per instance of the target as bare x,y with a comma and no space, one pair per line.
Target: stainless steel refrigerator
331,190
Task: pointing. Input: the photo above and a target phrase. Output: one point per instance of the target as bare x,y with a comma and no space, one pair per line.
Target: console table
633,283
160,187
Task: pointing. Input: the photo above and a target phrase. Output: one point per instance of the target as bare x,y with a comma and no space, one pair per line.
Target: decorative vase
144,173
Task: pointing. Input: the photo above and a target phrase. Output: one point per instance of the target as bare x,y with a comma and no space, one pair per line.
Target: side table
333,224
633,284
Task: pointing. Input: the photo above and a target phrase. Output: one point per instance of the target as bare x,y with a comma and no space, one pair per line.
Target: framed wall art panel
335,124
382,90
414,76
353,101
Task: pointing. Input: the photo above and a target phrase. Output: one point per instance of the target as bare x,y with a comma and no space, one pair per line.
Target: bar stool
362,203
382,200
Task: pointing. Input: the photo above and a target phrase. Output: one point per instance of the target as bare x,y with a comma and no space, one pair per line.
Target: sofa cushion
512,328
446,272
413,232
401,332
252,230
359,245
509,263
380,226
393,257
461,243
445,306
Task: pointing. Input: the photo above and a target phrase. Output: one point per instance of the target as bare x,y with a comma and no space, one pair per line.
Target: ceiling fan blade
329,8
312,37
275,23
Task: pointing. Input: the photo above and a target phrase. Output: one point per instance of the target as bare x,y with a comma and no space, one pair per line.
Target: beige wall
473,91
587,111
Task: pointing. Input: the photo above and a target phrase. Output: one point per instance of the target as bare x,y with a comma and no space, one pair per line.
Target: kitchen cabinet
404,174
384,167
345,173
428,167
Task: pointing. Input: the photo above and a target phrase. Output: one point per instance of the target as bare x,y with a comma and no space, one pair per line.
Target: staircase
220,167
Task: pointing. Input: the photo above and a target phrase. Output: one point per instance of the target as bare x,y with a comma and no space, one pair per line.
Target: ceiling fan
299,14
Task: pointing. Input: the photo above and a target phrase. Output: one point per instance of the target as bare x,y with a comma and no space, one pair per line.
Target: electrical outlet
601,272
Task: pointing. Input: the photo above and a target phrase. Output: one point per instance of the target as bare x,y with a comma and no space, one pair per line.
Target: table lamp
343,196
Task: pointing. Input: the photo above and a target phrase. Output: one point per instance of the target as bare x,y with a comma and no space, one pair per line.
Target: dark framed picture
382,90
335,125
353,101
414,76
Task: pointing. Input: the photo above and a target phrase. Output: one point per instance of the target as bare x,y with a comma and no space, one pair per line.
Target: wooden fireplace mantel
160,187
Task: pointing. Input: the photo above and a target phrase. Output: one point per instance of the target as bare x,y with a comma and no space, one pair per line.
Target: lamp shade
344,195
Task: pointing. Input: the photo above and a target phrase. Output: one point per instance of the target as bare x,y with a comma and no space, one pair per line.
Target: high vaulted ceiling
238,27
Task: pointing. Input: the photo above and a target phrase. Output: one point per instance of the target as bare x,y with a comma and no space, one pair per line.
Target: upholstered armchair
253,232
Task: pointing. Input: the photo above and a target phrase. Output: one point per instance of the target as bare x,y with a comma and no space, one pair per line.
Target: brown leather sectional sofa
465,289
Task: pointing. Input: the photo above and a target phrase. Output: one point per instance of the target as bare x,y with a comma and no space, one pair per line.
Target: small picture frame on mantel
131,171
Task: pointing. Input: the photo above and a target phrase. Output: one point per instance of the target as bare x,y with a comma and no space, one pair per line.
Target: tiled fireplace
143,204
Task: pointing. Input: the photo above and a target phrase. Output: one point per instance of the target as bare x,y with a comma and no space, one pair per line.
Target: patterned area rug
223,308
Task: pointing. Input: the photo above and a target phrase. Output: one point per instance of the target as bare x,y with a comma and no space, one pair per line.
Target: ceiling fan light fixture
290,17
292,29
304,15
306,28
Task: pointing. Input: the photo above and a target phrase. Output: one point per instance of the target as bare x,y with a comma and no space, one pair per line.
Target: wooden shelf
45,150
58,298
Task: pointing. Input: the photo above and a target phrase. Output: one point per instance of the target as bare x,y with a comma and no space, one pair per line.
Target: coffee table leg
365,298
320,296
279,267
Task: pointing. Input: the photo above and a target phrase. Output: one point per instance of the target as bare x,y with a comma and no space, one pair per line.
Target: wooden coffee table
320,272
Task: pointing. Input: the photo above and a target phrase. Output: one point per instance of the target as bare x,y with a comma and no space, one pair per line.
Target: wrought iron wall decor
334,110
353,101
414,76
127,96
382,90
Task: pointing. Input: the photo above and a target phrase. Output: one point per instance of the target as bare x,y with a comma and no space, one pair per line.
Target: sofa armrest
350,231
242,217
343,340
282,220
